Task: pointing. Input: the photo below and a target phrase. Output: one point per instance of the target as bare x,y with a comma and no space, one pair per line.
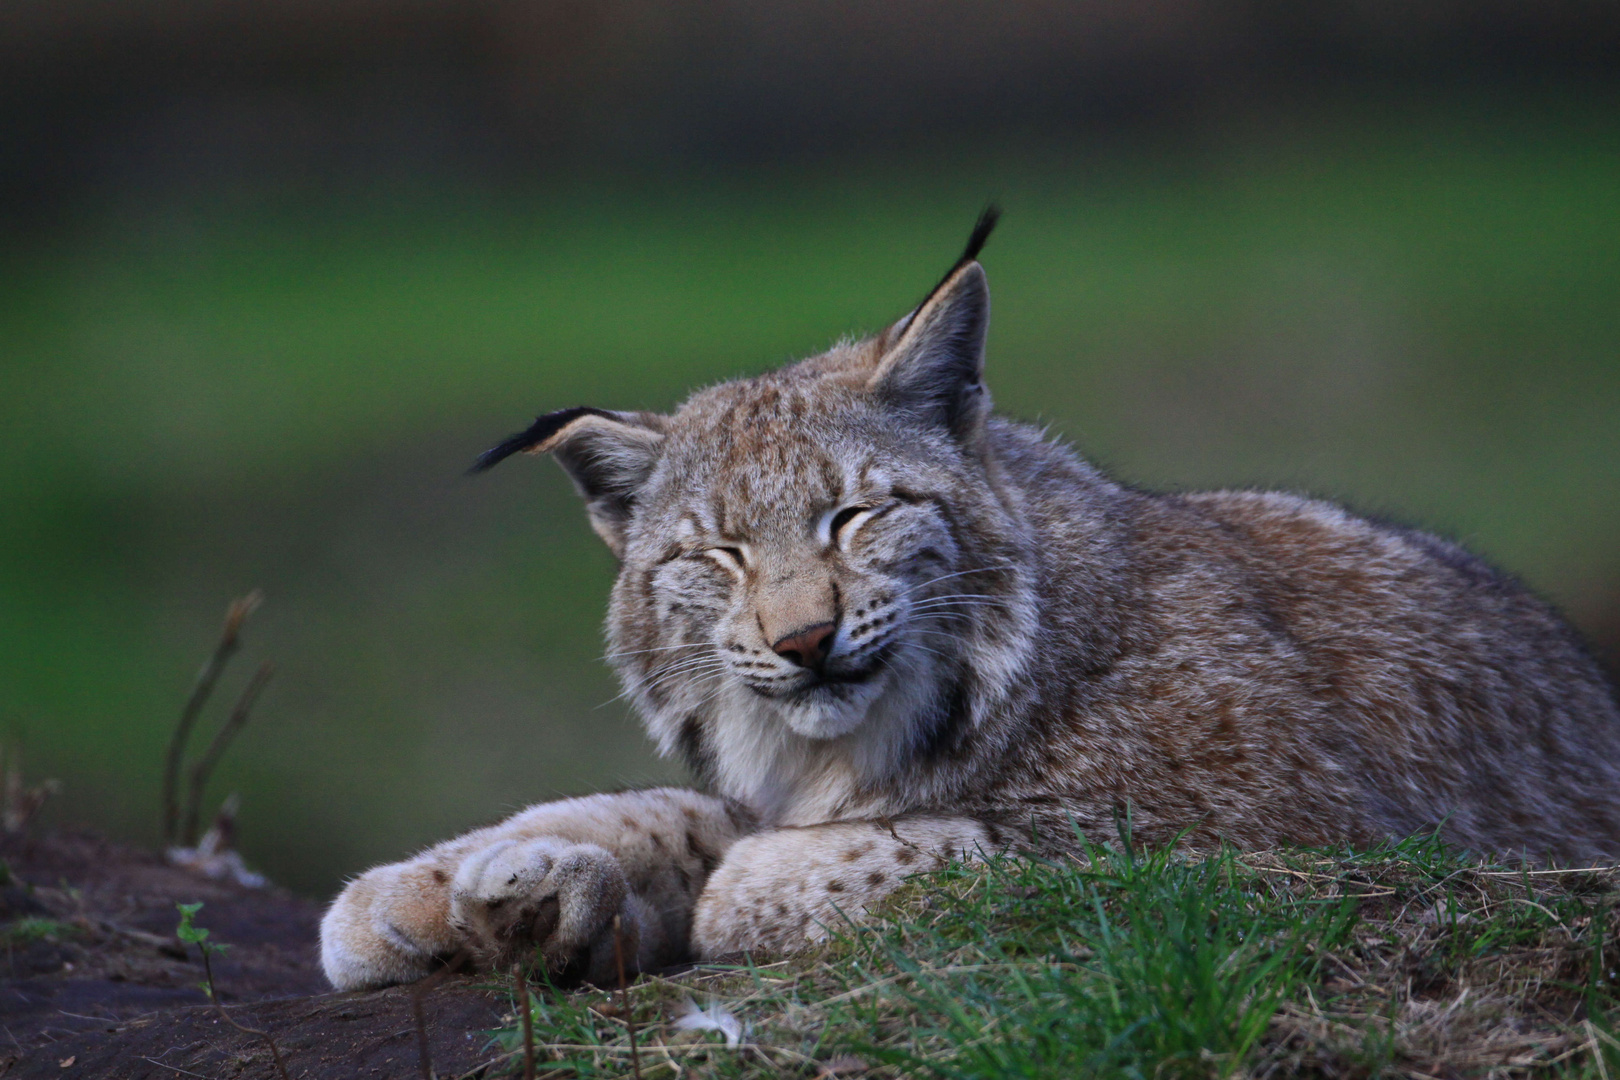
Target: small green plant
195,935
191,934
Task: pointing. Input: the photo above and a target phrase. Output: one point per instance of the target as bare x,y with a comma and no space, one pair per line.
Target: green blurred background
272,274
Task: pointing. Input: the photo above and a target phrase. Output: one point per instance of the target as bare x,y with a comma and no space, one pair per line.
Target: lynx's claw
519,896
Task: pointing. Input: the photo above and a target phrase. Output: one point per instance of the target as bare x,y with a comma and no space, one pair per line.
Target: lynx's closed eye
839,523
844,517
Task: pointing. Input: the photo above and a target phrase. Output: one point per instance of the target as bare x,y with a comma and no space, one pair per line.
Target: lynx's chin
829,709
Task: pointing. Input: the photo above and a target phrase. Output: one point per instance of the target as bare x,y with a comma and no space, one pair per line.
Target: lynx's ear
935,366
608,454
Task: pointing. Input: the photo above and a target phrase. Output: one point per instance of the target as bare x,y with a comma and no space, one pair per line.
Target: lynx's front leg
552,877
782,889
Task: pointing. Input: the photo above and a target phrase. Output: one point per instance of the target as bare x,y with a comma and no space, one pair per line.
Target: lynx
885,628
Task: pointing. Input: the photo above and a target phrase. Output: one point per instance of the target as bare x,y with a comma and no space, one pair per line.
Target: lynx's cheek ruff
885,629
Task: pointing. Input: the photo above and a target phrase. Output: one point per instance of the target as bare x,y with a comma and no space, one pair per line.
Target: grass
1411,960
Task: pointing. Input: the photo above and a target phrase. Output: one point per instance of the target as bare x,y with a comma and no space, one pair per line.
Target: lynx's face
815,557
799,553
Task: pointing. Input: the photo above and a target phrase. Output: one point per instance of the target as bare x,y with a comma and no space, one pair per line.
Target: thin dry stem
229,641
624,997
424,1053
204,768
522,985
275,1051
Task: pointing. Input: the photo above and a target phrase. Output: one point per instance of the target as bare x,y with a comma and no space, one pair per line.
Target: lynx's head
821,577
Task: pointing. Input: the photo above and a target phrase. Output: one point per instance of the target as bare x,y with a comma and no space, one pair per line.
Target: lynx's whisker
701,669
660,648
958,605
958,611
688,664
960,573
628,694
696,668
987,597
927,649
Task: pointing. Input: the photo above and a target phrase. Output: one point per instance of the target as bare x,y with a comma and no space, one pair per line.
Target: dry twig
424,1053
204,768
229,641
522,986
624,996
275,1051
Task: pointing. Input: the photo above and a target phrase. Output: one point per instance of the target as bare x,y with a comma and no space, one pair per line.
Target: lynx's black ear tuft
609,455
530,441
976,241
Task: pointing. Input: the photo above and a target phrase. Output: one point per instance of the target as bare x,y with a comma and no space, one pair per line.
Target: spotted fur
885,628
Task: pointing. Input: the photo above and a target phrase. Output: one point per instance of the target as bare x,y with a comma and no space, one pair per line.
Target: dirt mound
93,982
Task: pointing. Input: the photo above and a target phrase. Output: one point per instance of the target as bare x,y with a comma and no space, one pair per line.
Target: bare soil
93,982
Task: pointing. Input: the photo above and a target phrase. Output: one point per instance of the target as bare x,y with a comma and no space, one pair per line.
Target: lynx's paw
516,896
782,890
388,926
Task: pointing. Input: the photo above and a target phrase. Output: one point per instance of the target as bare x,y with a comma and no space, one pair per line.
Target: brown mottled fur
1016,647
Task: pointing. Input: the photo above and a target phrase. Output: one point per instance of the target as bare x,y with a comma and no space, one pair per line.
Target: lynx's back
1283,670
848,591
1481,709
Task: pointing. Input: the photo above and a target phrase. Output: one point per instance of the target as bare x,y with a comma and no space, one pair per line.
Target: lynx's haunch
886,628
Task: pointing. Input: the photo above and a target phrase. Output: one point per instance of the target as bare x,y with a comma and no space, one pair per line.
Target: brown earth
93,982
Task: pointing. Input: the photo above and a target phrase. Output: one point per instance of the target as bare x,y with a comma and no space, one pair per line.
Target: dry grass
1456,968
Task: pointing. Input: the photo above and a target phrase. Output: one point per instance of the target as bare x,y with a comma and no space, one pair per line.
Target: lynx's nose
808,647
